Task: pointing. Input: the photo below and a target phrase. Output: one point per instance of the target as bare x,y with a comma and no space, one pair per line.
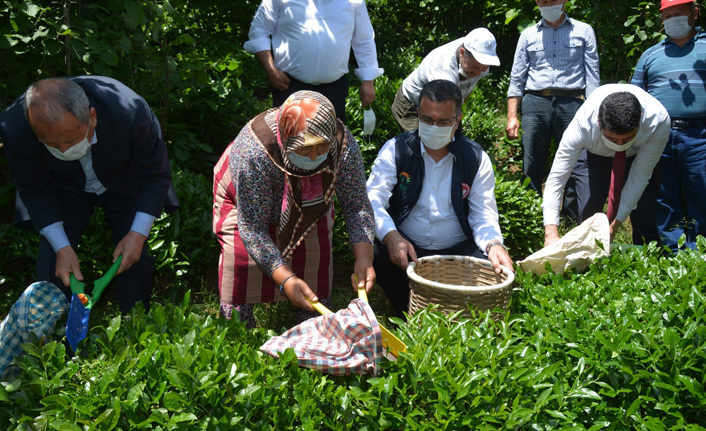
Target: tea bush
520,214
620,346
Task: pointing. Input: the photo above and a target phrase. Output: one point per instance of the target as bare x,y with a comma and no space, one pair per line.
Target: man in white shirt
306,44
615,118
432,192
464,61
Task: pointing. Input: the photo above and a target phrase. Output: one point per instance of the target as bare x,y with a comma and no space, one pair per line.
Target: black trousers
336,92
593,186
133,285
393,279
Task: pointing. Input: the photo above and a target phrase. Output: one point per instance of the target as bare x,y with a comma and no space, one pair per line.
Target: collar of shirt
95,136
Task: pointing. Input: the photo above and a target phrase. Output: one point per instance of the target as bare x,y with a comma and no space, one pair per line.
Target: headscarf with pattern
308,194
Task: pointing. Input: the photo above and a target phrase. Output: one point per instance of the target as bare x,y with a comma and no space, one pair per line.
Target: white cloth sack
577,249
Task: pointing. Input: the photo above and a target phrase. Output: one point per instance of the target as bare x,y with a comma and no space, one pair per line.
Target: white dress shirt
584,133
55,233
432,224
311,40
441,63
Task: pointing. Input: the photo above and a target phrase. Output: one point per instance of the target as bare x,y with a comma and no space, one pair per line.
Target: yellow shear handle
321,308
362,294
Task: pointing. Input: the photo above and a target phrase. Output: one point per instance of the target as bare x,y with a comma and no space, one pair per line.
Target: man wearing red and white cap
674,72
464,62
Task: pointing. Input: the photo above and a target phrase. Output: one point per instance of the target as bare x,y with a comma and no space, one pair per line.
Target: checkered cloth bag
37,310
345,342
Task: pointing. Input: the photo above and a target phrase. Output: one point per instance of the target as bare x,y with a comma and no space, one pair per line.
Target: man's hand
66,264
513,125
513,128
367,93
498,256
614,226
278,79
398,249
551,234
131,249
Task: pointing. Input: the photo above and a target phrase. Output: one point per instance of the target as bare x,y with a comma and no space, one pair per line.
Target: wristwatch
493,243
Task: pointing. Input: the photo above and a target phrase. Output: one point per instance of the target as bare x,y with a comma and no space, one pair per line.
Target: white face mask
75,152
552,13
368,121
615,147
304,162
434,137
677,27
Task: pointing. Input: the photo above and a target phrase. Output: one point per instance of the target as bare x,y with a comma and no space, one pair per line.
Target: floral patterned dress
248,193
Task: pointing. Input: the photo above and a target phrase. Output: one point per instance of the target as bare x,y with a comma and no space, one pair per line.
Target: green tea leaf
63,425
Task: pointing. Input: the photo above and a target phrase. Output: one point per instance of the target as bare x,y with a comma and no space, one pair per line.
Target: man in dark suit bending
84,142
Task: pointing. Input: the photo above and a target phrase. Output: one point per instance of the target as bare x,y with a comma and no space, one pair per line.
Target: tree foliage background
186,57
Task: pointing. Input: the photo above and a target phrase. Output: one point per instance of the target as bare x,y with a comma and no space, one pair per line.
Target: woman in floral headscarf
273,206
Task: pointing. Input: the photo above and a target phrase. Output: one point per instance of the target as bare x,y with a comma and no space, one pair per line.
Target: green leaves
614,347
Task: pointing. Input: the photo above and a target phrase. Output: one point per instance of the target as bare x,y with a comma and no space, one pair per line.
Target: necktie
616,184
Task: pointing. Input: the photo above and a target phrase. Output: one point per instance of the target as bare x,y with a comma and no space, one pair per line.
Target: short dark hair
440,91
620,112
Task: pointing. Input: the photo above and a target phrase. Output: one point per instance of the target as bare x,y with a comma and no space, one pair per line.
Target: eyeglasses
441,123
319,149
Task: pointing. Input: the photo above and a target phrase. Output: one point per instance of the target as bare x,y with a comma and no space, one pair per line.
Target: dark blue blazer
129,158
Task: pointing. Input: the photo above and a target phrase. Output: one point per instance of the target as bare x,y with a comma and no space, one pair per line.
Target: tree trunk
67,50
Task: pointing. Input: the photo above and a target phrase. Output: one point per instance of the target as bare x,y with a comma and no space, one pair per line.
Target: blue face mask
304,162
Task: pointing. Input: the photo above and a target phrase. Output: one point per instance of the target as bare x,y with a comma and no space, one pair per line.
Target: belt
576,94
688,124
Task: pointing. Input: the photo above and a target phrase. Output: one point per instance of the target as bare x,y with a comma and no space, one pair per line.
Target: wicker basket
454,282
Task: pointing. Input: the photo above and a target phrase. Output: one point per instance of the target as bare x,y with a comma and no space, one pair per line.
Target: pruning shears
81,304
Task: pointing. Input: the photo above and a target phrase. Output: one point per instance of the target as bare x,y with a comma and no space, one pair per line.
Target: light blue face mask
304,162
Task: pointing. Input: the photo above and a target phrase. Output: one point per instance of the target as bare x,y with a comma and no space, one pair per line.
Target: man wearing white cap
674,72
464,62
554,70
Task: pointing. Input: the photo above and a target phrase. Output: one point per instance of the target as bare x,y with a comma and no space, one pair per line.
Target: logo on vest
404,181
466,190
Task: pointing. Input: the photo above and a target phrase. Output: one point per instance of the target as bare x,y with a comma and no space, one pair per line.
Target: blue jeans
593,187
542,118
681,205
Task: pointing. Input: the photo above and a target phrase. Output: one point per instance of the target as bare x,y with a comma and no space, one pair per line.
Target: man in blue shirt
674,72
554,70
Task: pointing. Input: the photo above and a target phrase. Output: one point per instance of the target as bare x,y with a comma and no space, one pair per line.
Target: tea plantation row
620,346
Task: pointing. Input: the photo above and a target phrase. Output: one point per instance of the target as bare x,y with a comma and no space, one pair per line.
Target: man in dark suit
84,142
